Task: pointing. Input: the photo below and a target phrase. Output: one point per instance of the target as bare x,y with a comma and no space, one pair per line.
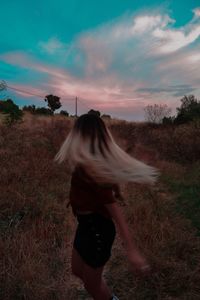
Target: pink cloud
98,59
119,60
103,93
26,61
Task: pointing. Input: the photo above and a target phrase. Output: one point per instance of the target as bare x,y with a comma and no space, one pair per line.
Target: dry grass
37,229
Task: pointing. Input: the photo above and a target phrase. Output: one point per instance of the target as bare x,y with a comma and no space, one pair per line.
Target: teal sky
115,56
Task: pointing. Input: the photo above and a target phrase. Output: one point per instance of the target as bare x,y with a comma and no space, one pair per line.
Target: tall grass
37,229
187,191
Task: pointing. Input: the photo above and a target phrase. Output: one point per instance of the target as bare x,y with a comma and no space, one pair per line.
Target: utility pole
76,106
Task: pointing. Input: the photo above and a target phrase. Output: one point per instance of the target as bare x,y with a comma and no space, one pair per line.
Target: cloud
147,23
51,46
24,60
139,51
173,40
194,57
177,90
181,67
99,92
134,46
124,65
196,12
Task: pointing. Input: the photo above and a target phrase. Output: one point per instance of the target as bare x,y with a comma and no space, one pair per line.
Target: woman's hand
117,191
138,263
118,194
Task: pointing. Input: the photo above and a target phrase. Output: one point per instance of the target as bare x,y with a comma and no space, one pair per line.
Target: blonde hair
91,145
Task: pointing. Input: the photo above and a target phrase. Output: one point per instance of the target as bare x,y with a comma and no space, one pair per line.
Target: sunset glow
116,58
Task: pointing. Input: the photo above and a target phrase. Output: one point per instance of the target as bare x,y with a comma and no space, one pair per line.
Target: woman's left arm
136,259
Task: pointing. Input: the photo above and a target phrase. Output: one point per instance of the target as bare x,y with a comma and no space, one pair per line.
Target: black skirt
94,237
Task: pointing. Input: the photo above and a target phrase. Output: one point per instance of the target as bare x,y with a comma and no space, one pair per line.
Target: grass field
37,229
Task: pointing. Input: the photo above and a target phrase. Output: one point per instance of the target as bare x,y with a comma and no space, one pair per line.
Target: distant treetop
53,102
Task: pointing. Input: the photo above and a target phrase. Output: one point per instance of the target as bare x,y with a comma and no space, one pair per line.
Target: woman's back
87,195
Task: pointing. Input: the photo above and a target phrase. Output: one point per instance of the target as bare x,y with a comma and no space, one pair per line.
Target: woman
98,166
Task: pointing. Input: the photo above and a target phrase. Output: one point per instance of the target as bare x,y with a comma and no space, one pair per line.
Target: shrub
12,112
64,113
188,111
29,108
43,111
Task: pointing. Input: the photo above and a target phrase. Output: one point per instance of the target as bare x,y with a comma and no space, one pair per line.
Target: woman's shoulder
81,174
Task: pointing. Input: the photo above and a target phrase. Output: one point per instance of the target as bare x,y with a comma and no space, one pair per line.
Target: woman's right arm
138,262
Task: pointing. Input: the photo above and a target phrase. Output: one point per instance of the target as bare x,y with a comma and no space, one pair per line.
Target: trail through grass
187,193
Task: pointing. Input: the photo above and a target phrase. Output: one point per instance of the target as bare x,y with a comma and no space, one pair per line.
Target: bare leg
92,278
95,284
76,264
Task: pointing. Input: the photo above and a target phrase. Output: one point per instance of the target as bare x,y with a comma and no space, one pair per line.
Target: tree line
188,111
14,114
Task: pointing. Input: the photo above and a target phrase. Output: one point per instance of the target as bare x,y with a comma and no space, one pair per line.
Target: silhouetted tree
64,113
168,120
29,108
188,111
43,111
155,113
53,102
95,112
11,110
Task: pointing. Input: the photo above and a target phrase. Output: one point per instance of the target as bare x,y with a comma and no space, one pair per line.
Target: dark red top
86,194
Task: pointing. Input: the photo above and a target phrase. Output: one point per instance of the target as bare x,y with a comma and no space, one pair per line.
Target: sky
116,56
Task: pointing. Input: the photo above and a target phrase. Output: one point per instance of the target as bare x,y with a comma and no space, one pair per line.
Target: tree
168,120
37,110
29,108
53,102
94,112
188,111
155,113
64,113
43,111
11,110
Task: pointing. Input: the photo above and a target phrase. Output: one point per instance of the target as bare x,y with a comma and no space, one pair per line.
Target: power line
77,99
4,85
25,92
32,94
